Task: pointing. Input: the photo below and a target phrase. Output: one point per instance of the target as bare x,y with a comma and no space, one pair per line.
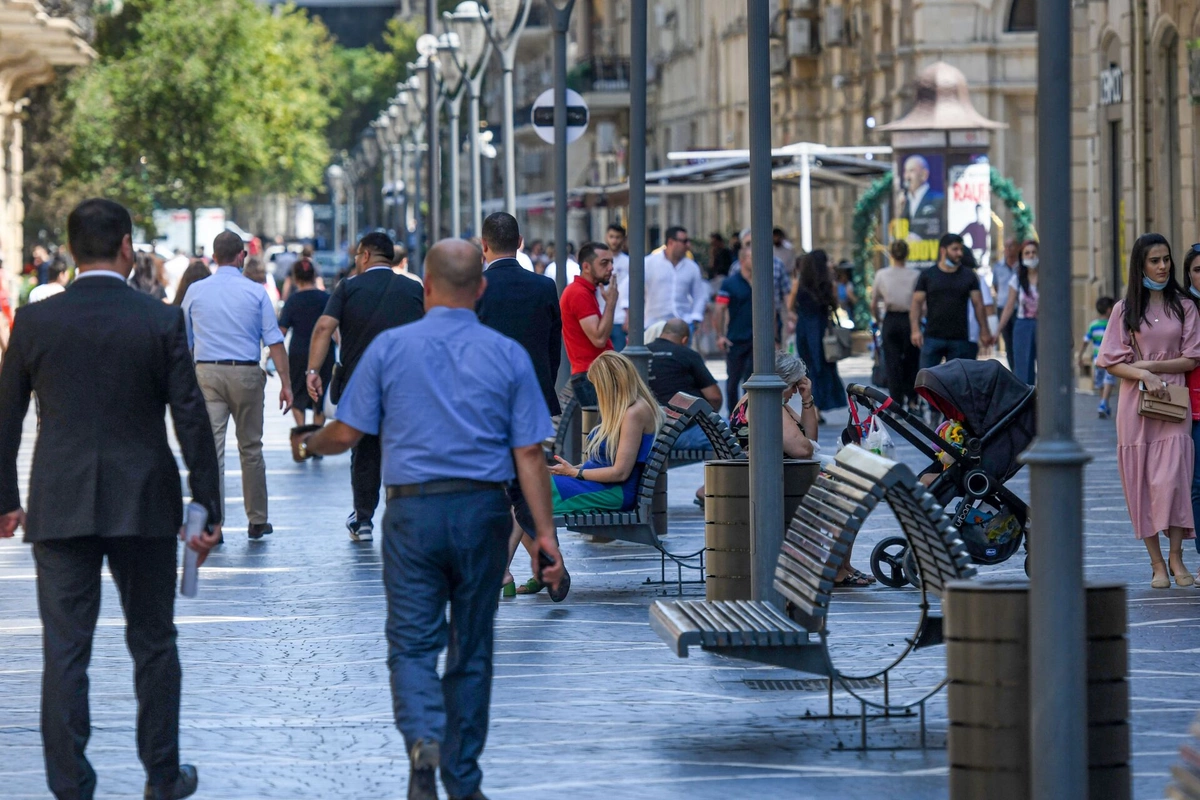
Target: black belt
228,363
452,486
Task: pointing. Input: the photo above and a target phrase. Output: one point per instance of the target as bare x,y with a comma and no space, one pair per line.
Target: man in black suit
523,306
105,362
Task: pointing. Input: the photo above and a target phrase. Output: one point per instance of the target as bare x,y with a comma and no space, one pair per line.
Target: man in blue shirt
229,317
459,413
735,323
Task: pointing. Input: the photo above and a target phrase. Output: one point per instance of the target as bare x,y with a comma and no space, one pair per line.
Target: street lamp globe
370,147
505,16
335,175
447,55
468,22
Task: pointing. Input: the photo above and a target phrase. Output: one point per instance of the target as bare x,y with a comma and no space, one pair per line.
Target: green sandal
509,589
531,586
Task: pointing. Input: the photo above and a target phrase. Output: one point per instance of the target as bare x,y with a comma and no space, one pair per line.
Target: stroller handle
869,392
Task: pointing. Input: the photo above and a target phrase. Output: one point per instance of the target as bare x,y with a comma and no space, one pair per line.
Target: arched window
1022,17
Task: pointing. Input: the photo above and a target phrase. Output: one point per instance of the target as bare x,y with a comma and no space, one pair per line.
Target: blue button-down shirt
228,316
449,397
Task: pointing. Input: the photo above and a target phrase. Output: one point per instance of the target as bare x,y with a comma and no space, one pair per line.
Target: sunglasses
684,240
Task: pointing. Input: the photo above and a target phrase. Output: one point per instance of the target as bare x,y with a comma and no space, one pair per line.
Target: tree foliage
192,102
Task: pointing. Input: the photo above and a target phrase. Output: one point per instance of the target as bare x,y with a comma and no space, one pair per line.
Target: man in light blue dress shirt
460,413
229,318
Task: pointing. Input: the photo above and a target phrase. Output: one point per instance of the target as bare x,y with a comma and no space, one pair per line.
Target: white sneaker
359,531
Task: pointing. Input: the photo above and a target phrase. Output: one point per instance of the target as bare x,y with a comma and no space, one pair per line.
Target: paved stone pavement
286,692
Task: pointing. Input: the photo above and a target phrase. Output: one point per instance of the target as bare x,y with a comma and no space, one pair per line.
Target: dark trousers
585,392
439,549
1007,334
366,463
739,364
900,359
68,586
937,350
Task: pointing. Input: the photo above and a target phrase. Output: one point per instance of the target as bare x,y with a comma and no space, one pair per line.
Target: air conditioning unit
800,38
833,27
778,57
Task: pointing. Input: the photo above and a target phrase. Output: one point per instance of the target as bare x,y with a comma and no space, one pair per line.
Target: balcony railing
600,74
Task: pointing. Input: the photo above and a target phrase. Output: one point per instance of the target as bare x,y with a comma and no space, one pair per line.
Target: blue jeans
438,549
1196,479
619,337
693,438
1025,350
937,350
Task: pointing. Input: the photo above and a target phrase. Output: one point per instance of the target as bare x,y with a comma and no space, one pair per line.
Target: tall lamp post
560,17
399,129
469,22
415,116
504,29
383,133
370,153
336,177
455,87
636,348
1058,729
420,78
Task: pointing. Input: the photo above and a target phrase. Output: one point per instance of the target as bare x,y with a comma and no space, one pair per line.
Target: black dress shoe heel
183,786
422,770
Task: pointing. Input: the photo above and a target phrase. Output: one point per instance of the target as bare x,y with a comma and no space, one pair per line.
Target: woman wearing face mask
1153,339
1023,302
1191,271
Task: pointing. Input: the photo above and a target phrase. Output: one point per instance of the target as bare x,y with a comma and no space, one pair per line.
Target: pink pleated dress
1155,458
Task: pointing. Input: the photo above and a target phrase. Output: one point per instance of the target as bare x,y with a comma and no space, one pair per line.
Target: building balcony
603,81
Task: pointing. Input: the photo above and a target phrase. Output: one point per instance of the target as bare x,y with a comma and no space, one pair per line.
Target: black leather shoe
422,770
259,531
476,795
184,786
559,594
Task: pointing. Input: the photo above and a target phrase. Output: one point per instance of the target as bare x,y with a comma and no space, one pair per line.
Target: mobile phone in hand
545,560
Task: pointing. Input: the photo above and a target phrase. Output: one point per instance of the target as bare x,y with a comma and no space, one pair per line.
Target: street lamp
455,87
469,21
399,131
336,177
370,151
504,29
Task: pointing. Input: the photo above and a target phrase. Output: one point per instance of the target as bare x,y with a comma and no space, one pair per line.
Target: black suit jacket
106,362
524,306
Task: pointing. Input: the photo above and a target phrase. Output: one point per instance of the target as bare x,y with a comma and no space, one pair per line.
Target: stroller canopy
981,395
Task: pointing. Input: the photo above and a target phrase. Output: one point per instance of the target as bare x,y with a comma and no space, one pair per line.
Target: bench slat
854,479
713,630
667,618
821,570
752,630
774,634
814,549
837,500
813,615
795,588
785,630
738,633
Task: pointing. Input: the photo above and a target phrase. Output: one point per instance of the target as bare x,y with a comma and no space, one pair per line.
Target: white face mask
1031,263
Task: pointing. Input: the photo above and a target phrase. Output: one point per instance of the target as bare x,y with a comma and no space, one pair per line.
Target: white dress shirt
674,290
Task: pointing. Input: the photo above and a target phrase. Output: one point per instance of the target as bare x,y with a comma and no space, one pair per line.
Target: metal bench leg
863,724
887,710
922,724
831,696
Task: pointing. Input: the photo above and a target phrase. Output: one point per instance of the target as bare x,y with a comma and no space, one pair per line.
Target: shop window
1022,17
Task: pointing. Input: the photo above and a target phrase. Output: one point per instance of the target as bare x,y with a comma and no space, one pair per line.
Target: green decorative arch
866,221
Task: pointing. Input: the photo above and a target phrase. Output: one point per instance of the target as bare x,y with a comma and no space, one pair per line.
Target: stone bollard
987,662
727,521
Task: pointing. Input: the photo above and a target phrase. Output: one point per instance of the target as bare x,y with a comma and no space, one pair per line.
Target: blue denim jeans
693,438
440,549
1196,480
619,337
935,350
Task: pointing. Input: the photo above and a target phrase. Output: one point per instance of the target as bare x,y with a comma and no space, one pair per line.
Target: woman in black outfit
300,313
893,289
814,300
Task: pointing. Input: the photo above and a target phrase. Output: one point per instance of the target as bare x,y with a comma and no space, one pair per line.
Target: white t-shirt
621,276
1027,302
972,323
40,293
572,270
524,261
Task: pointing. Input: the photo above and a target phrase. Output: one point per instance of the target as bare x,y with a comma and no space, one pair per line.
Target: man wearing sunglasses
674,285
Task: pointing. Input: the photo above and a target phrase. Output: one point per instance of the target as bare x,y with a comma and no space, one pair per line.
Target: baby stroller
990,419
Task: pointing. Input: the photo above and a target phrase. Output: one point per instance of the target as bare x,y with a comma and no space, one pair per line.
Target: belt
230,363
452,486
903,311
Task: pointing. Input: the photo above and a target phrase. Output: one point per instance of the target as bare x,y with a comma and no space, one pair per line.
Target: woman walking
148,277
1023,303
893,297
299,315
1152,340
814,301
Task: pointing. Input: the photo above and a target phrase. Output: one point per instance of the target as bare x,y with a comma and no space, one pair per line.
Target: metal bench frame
815,546
725,445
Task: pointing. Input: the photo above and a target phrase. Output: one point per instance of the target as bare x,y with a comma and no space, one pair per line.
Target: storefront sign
1111,81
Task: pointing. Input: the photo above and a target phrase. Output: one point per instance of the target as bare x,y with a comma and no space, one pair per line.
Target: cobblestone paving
286,693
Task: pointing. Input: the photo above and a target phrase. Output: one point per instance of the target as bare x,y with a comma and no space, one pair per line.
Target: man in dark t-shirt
942,295
675,367
735,325
371,301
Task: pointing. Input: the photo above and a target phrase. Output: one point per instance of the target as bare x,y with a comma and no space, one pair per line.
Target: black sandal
853,580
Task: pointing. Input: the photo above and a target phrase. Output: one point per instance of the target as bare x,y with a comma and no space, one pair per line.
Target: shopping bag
878,440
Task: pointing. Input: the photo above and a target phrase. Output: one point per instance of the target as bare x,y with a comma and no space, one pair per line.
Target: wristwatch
313,372
579,475
303,447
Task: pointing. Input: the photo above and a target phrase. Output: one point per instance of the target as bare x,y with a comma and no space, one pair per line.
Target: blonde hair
618,386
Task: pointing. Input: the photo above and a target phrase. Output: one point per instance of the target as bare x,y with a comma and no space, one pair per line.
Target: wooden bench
725,446
815,546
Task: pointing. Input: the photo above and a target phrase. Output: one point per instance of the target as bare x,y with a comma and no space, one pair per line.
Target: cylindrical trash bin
987,662
590,418
727,521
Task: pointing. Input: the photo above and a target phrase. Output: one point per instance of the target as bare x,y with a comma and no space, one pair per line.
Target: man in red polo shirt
586,331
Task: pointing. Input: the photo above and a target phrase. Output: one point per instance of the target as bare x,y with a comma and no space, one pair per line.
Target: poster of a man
922,201
969,208
976,234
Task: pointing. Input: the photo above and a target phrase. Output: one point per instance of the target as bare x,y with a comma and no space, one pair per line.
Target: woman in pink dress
1153,338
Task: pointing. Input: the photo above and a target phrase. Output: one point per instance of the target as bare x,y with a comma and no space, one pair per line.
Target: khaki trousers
239,392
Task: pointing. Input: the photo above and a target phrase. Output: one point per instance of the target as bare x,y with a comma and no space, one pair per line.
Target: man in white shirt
56,285
674,285
615,236
174,268
572,270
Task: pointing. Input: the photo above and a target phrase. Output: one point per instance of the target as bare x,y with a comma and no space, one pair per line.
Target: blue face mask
1194,292
1153,285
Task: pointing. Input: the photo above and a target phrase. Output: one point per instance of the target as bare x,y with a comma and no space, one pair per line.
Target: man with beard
586,330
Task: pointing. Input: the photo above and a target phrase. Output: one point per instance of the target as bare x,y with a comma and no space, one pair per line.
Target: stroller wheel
887,561
911,571
1027,565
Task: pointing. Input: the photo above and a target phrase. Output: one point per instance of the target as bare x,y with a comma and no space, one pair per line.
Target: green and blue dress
571,495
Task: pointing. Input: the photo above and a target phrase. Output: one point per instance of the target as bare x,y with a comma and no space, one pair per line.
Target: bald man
460,414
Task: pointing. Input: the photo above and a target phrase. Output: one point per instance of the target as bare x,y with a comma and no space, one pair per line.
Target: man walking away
457,406
947,290
1002,274
106,362
735,322
59,275
363,306
674,285
615,237
229,318
586,330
